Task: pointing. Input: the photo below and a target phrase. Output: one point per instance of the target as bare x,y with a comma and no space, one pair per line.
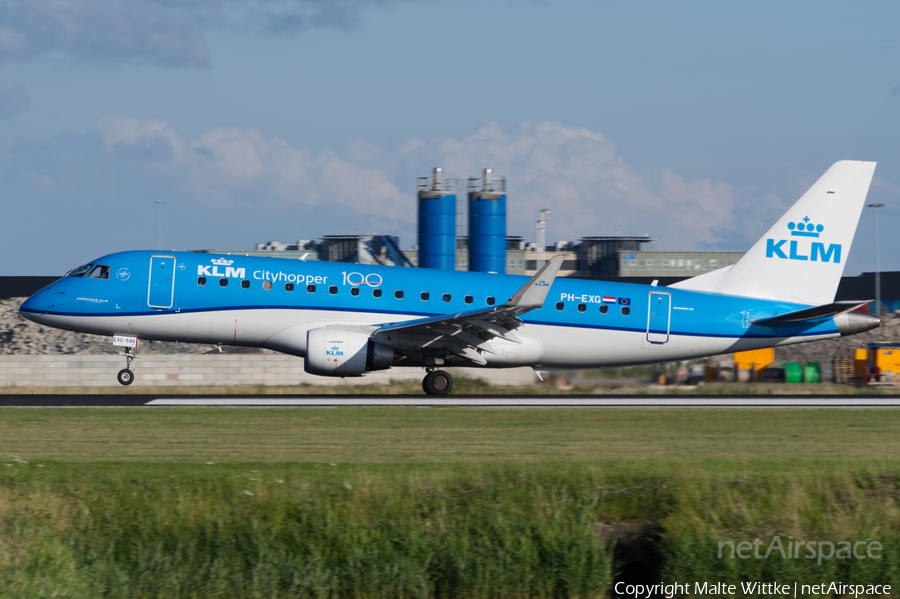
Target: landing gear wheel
125,376
437,383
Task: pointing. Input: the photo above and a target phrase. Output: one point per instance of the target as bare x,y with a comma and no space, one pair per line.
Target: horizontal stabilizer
811,315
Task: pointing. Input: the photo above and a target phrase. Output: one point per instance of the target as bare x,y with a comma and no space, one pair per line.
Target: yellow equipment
756,359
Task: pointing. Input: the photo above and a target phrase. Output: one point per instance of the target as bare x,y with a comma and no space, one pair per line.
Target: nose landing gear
126,376
437,382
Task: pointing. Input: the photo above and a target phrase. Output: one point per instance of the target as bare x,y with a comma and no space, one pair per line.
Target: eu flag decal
624,301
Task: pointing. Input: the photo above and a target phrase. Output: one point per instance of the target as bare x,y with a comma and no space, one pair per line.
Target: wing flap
468,334
495,330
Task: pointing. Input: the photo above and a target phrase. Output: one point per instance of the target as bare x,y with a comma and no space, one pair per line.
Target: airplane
350,319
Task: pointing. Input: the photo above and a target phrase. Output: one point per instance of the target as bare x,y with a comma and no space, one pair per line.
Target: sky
697,123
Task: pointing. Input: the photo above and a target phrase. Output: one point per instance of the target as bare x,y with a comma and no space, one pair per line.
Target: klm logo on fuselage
796,249
213,271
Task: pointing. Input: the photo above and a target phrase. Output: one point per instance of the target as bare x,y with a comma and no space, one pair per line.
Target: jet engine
333,351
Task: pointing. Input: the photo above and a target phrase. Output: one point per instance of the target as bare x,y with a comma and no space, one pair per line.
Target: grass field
416,435
427,503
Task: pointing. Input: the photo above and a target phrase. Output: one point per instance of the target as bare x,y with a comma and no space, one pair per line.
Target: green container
793,372
811,373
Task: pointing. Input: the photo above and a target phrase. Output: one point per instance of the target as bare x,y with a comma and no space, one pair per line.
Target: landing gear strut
437,382
126,376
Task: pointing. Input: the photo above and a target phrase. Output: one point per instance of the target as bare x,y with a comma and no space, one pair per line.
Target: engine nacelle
332,351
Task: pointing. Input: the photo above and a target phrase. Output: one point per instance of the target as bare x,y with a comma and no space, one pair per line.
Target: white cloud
575,172
231,166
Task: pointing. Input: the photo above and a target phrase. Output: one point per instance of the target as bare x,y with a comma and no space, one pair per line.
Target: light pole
158,227
541,238
877,260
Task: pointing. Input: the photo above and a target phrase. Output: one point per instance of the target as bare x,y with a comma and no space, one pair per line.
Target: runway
487,401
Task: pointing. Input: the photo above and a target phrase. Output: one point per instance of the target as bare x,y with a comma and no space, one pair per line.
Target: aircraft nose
36,306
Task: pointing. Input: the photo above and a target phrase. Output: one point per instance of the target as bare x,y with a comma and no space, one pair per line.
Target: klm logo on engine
334,351
799,249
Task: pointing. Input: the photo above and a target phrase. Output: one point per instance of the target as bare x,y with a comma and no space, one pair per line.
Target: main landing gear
437,382
126,376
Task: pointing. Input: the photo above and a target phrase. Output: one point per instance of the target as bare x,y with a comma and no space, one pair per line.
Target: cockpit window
99,272
79,272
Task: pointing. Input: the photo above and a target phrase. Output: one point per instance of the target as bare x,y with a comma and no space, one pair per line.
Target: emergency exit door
658,317
162,282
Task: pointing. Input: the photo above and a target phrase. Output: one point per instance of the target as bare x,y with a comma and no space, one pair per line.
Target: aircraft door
658,317
161,292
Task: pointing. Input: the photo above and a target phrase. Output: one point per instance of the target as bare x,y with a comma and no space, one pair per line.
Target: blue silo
487,224
437,222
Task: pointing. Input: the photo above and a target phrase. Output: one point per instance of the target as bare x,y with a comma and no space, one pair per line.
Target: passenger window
223,282
446,297
99,272
490,301
424,295
201,281
560,305
582,307
245,284
469,299
376,293
332,290
288,286
398,294
354,291
626,310
267,285
81,270
310,288
604,309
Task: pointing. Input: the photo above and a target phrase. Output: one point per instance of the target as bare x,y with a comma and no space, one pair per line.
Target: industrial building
673,264
589,257
462,226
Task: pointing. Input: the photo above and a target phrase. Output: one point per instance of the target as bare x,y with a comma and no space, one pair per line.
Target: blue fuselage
241,300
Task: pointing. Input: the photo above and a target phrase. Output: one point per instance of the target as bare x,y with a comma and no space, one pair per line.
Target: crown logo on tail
805,228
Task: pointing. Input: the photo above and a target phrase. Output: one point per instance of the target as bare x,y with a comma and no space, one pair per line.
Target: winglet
534,292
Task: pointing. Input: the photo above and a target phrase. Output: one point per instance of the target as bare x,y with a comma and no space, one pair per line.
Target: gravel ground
22,337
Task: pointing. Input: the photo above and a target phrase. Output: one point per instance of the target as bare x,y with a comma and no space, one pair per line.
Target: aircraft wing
468,334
